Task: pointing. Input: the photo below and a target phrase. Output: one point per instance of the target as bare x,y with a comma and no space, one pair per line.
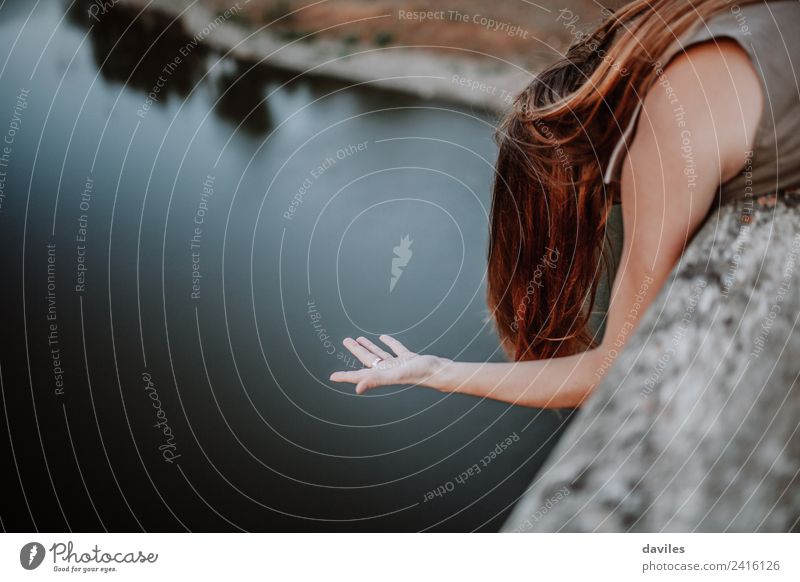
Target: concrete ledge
697,425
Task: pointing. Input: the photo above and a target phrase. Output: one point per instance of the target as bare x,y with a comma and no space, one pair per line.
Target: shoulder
711,95
696,127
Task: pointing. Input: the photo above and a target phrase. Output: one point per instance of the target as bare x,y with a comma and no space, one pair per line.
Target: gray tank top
770,33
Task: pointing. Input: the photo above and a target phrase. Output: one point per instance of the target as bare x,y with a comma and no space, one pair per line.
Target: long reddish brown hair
550,207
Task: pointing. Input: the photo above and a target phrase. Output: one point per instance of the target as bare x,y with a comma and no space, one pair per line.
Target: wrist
440,374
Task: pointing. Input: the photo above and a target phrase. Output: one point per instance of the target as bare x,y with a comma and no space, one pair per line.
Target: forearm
553,383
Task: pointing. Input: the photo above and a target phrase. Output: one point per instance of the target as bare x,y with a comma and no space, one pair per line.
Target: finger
365,356
362,387
353,377
378,351
396,346
373,380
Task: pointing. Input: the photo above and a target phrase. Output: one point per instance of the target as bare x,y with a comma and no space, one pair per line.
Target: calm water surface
181,257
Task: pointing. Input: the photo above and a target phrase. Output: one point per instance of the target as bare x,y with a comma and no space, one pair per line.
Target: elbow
598,361
585,373
603,358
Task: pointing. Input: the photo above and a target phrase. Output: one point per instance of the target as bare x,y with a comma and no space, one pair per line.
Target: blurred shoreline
484,79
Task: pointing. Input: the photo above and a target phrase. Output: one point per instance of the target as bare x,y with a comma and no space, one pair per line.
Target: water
179,270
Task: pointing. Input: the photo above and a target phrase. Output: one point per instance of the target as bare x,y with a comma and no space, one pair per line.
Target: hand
383,368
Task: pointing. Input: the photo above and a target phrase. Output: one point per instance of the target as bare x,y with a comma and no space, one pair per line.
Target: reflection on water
189,259
135,50
241,100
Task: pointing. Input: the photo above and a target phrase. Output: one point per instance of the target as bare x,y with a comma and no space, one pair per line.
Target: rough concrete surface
695,428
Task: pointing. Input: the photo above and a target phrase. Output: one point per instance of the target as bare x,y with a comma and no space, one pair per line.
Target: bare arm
688,141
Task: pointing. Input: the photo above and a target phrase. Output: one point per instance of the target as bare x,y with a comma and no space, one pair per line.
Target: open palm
383,368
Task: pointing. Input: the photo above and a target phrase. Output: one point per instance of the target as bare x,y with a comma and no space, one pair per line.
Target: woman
669,108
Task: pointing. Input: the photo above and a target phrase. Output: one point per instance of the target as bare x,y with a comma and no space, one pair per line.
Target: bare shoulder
712,94
696,128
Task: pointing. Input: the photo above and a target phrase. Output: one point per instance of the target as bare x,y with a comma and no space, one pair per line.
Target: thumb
374,380
363,386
